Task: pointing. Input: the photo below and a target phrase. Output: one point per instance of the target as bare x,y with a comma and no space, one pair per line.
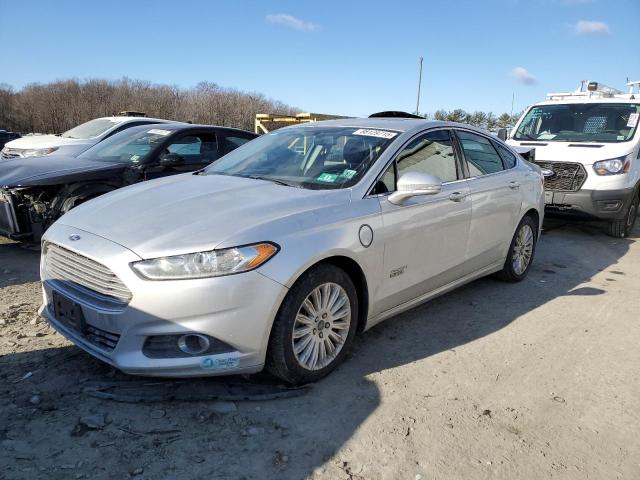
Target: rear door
495,199
426,237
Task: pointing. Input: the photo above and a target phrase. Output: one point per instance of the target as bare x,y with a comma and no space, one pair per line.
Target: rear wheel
521,251
622,228
314,326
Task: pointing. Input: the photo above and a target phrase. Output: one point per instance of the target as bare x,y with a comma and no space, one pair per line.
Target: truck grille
568,177
78,272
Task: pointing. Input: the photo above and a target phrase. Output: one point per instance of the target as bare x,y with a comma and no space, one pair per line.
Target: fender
72,195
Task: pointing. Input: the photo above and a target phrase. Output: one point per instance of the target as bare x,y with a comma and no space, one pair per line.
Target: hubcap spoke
321,327
522,249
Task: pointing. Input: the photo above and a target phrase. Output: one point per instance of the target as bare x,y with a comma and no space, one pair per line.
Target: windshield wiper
274,180
519,136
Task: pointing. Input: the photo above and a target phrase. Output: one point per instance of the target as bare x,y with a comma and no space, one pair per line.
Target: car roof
397,124
176,126
121,119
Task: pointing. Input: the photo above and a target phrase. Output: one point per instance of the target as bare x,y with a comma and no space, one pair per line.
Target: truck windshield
90,129
580,122
311,157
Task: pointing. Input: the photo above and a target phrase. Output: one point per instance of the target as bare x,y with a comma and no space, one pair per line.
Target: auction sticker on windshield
327,177
157,131
369,132
633,120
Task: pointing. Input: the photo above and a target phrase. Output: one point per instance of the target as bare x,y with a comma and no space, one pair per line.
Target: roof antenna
419,84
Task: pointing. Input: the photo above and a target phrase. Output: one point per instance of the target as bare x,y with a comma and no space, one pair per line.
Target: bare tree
58,106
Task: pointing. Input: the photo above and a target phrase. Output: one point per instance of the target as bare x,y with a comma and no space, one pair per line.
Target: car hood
48,170
46,141
190,213
579,152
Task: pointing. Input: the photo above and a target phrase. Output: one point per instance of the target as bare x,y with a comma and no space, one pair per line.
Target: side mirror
502,134
413,184
171,159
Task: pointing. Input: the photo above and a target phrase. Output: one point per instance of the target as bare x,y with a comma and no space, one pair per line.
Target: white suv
588,145
75,141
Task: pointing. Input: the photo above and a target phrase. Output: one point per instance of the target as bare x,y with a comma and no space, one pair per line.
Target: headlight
614,166
38,152
214,263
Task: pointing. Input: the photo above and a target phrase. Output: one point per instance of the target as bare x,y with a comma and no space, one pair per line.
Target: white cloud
587,27
523,75
292,22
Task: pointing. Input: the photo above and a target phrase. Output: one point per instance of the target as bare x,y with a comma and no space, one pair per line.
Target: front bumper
600,204
237,310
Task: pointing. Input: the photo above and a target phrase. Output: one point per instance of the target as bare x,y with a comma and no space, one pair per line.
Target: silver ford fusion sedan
278,254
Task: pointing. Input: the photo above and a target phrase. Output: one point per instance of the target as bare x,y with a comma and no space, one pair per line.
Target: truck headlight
38,152
614,166
214,263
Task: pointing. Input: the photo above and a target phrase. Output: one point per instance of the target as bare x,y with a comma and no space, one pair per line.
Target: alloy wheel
522,249
321,326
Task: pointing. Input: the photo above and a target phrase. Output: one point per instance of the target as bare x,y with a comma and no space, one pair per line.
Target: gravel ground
533,380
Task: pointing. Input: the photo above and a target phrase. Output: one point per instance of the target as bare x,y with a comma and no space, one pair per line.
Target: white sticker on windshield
633,120
157,131
369,132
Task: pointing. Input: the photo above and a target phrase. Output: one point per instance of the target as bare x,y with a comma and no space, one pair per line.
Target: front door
426,237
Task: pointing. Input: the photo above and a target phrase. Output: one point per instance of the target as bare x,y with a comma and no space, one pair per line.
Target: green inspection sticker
327,177
348,174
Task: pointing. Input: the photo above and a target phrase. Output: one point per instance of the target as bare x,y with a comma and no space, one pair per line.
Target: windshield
132,145
309,157
91,129
581,122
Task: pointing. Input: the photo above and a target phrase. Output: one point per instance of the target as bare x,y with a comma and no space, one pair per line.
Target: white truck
588,145
75,141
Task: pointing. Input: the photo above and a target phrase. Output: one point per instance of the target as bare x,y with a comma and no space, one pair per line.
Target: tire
512,271
286,361
621,228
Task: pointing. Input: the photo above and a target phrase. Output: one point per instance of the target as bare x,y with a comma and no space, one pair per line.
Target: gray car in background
279,253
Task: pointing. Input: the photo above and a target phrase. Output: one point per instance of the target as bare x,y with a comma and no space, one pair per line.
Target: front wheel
622,228
521,251
314,326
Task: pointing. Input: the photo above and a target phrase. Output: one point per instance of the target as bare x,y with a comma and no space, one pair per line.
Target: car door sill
494,267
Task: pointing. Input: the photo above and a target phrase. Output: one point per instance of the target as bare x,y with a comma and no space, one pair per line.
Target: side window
234,142
480,155
194,149
430,153
508,158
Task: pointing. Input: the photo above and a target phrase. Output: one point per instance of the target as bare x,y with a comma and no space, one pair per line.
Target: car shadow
293,437
19,263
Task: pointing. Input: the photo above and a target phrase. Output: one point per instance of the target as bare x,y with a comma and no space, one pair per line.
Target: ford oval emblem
547,172
75,237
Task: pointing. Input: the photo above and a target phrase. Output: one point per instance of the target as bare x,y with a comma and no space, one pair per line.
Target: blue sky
343,57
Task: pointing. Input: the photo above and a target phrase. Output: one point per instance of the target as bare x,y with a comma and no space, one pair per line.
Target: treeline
58,106
484,120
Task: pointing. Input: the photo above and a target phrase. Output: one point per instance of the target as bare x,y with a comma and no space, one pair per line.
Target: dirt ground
534,380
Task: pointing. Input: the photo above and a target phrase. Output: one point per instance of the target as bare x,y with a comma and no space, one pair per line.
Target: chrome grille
8,153
80,272
568,177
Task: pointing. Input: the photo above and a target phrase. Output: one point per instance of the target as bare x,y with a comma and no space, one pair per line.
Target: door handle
514,185
457,196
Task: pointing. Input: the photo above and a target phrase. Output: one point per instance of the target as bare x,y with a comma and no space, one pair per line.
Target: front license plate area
68,313
548,197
